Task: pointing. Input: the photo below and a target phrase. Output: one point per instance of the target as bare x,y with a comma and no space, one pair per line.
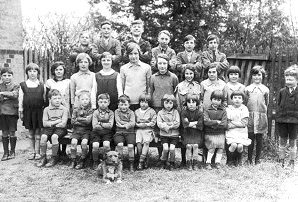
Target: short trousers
101,135
80,133
8,122
61,132
121,137
144,136
169,140
287,130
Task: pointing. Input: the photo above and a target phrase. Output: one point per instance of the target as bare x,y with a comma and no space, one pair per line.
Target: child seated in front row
215,123
237,133
81,121
54,127
125,123
192,121
145,122
102,123
168,121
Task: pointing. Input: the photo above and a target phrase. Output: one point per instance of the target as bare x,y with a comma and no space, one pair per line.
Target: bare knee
95,145
74,142
54,139
43,138
188,147
165,147
172,147
84,143
106,144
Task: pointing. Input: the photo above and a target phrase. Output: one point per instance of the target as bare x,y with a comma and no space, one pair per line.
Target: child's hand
218,122
167,128
142,125
126,126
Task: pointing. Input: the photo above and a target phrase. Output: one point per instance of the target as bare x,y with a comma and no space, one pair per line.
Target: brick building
11,37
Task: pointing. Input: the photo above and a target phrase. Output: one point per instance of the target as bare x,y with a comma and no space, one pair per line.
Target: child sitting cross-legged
145,122
102,123
237,133
125,123
81,121
54,127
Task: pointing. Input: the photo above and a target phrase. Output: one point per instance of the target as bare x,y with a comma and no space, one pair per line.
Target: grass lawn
21,180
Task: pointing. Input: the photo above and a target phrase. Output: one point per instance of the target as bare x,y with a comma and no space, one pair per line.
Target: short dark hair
131,46
212,37
192,68
167,98
105,55
137,22
292,70
189,38
238,93
32,66
214,65
233,69
53,92
124,98
145,97
55,65
217,94
193,97
105,23
6,70
102,96
258,69
166,32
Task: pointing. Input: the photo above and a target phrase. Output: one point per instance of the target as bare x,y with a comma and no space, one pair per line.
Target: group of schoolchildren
137,107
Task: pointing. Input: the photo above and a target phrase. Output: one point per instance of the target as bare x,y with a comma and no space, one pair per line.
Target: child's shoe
80,165
171,166
291,165
208,166
189,165
5,141
31,156
195,164
282,162
146,163
95,165
37,157
52,162
5,157
140,166
131,166
72,163
43,161
217,165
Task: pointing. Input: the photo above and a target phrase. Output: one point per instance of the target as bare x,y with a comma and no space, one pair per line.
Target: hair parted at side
292,71
189,38
6,70
192,68
217,94
103,96
166,32
124,98
258,69
211,37
137,22
106,22
167,98
145,97
82,56
131,46
80,93
57,64
53,92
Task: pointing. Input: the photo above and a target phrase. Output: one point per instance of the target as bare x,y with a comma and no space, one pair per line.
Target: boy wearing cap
137,29
212,57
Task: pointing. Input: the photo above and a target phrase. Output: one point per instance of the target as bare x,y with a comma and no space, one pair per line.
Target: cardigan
287,106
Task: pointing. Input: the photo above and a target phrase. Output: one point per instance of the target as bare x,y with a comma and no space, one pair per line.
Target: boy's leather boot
195,164
80,164
131,166
43,161
189,165
13,142
5,142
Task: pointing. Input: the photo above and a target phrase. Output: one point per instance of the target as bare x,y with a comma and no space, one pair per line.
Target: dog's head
112,158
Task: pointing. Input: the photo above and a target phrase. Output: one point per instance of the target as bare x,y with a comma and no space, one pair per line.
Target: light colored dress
230,88
207,87
64,87
184,88
237,135
257,102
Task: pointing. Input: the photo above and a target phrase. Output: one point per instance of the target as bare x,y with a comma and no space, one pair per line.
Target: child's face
84,100
189,45
191,105
162,65
213,44
257,78
137,29
189,75
123,106
233,77
163,40
6,77
56,100
168,105
59,72
106,62
84,65
212,74
85,39
106,30
144,105
291,81
216,102
32,74
134,56
237,100
103,103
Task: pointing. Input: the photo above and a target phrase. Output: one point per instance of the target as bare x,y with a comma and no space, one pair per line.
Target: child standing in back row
31,103
257,96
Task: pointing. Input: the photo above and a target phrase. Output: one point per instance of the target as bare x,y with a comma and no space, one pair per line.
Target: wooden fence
274,60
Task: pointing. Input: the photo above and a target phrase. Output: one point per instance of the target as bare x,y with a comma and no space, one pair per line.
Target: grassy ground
21,180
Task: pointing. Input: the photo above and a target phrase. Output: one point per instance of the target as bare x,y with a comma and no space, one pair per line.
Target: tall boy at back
287,115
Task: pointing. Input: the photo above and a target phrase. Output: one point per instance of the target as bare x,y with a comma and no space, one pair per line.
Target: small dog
111,168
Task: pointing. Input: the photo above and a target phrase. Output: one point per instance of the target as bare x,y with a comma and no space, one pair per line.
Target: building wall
11,37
